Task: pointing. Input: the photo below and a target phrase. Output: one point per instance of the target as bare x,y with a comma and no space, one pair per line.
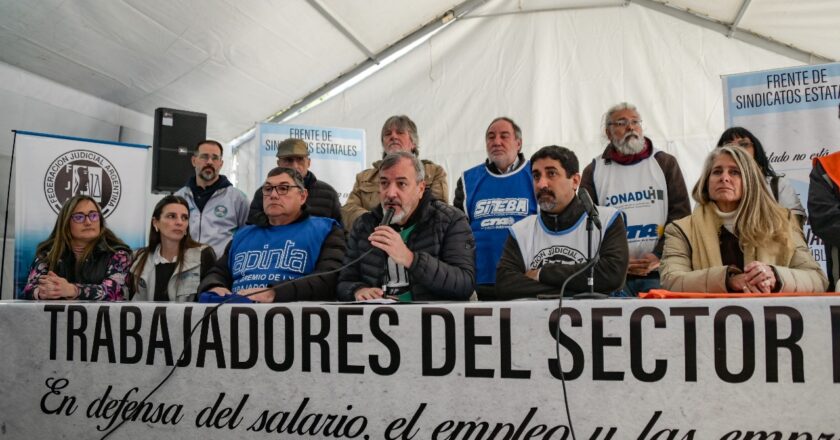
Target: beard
547,201
631,144
399,215
208,173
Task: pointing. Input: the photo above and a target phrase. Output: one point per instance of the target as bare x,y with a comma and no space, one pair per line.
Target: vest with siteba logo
493,203
640,191
261,256
540,246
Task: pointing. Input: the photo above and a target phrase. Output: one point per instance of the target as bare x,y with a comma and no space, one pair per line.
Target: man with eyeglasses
217,209
646,184
322,200
281,249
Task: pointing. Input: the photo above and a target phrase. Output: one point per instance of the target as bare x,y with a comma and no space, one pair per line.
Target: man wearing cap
217,209
322,199
399,133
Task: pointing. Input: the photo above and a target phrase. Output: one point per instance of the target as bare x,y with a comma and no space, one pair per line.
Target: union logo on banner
82,172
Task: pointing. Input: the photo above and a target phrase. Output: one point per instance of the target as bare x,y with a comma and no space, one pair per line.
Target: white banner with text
634,369
795,113
337,154
51,169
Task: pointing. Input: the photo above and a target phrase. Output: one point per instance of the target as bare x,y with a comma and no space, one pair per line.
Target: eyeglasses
281,189
208,157
624,123
79,217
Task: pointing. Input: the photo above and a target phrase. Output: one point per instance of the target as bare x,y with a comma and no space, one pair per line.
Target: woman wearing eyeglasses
81,259
172,265
780,187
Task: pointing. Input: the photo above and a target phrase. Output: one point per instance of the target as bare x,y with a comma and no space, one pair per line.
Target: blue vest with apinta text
493,203
261,256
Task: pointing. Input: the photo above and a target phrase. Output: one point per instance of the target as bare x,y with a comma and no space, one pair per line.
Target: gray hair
617,108
404,123
291,172
392,159
517,132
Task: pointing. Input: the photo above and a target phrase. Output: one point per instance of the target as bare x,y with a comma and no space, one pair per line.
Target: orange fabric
831,165
665,294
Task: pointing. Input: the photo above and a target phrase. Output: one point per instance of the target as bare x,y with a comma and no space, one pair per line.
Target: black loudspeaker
176,134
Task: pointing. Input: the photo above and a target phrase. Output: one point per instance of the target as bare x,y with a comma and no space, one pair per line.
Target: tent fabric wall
33,103
555,73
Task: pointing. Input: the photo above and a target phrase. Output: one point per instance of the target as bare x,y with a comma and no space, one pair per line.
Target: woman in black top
172,265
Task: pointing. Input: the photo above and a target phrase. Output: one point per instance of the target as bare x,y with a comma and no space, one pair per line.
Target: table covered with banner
757,368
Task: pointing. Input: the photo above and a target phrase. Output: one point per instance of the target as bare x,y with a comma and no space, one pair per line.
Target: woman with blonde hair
780,187
81,259
172,265
737,239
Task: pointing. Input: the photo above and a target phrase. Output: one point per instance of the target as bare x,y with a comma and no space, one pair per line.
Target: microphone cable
208,314
558,332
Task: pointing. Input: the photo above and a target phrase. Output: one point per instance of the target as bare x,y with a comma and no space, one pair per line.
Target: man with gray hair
494,195
399,133
643,182
424,252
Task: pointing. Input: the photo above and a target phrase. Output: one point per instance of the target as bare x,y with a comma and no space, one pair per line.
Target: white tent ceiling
241,61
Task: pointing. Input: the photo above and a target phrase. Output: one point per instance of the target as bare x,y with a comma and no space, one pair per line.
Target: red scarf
628,159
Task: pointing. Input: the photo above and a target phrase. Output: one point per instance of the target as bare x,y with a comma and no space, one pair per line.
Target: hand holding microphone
389,240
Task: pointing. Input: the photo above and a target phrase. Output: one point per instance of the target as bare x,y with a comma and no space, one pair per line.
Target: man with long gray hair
399,133
643,182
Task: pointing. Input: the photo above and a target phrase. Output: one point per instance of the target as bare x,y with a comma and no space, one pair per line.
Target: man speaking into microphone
424,252
544,249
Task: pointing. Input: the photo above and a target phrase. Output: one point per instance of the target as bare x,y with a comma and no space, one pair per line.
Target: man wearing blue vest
281,249
544,250
645,184
495,195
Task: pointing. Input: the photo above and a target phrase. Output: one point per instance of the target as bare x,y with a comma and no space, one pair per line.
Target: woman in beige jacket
399,133
737,239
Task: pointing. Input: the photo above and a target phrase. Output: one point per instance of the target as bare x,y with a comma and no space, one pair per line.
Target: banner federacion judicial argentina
50,169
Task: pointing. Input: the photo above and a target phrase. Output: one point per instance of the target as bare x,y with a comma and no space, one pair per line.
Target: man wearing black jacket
427,251
824,211
322,200
281,250
545,249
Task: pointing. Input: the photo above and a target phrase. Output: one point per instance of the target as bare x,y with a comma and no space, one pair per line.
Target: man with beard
495,195
645,184
545,249
217,209
424,253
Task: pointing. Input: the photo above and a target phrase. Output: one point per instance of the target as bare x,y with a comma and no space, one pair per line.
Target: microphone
387,216
589,207
386,220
